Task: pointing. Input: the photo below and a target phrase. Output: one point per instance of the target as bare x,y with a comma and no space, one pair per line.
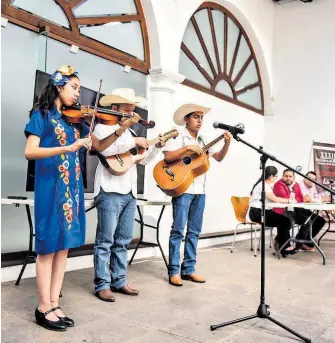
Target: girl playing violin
59,193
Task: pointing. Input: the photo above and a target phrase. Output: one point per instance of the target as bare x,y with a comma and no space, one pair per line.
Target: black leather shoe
59,325
68,321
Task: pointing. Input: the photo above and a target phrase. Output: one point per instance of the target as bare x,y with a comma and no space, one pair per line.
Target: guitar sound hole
133,151
187,160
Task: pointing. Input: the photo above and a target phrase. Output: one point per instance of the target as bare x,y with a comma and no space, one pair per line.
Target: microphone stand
262,311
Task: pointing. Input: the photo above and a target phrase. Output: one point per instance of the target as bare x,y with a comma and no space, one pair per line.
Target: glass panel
218,20
188,69
126,37
191,40
251,97
42,56
242,55
233,32
205,28
249,76
223,87
46,9
105,7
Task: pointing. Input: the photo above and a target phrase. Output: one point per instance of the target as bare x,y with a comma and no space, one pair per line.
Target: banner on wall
324,163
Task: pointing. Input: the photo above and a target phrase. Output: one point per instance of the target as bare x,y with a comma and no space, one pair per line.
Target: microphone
239,128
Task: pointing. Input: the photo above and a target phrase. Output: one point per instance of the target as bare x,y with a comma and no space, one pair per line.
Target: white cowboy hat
123,96
186,109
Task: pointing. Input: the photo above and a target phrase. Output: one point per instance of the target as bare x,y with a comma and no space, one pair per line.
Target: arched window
217,58
112,29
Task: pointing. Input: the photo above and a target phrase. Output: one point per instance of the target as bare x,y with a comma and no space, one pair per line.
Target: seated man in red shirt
289,189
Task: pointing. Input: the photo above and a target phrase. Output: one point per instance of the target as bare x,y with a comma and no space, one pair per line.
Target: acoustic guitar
119,164
176,177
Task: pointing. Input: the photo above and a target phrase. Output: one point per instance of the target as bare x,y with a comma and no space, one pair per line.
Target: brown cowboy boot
126,290
175,280
194,277
105,295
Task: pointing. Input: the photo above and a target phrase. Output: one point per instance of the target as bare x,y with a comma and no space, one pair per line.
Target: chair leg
271,229
251,240
233,246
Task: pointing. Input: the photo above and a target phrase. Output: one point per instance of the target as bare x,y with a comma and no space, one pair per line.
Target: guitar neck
167,135
209,145
153,141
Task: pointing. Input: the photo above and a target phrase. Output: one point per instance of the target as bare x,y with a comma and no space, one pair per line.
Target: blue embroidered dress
60,221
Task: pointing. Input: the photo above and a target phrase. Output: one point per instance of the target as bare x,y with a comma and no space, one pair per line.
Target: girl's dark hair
46,101
269,171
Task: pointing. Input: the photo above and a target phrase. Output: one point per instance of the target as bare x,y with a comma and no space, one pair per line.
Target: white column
161,108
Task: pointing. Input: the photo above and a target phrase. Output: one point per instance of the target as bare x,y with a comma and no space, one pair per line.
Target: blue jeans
116,216
186,208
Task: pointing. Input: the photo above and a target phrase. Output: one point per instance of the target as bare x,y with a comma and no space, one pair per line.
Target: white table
306,205
89,205
314,208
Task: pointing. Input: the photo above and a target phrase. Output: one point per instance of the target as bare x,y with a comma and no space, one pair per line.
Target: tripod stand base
262,312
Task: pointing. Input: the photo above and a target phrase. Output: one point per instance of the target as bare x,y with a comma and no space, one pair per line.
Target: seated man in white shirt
310,193
115,199
280,221
188,207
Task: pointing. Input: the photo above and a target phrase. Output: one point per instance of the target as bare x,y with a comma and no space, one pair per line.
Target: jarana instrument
119,164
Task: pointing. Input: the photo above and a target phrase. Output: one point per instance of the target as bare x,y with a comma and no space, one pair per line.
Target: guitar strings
205,148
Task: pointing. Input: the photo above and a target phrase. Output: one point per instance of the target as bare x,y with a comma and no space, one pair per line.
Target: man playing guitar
115,199
188,207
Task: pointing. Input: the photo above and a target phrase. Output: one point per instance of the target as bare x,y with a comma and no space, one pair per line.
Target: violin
79,114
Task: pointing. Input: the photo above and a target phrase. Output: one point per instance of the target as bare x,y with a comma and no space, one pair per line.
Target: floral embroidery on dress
59,130
67,207
65,173
77,200
77,170
63,168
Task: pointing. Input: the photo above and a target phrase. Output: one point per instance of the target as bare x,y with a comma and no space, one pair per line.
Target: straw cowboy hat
186,109
123,96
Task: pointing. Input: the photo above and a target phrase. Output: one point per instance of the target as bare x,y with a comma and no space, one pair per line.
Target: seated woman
282,223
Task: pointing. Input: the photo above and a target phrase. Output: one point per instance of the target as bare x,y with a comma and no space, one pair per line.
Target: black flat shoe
68,321
285,253
59,325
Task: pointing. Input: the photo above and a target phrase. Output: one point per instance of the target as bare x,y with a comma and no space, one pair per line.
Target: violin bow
95,108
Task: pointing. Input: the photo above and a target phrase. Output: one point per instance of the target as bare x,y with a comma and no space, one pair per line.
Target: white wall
237,173
172,16
304,79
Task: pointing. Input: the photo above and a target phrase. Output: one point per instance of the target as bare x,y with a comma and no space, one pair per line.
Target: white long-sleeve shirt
184,138
127,182
311,191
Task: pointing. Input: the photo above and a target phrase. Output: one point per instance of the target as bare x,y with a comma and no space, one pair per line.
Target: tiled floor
299,289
